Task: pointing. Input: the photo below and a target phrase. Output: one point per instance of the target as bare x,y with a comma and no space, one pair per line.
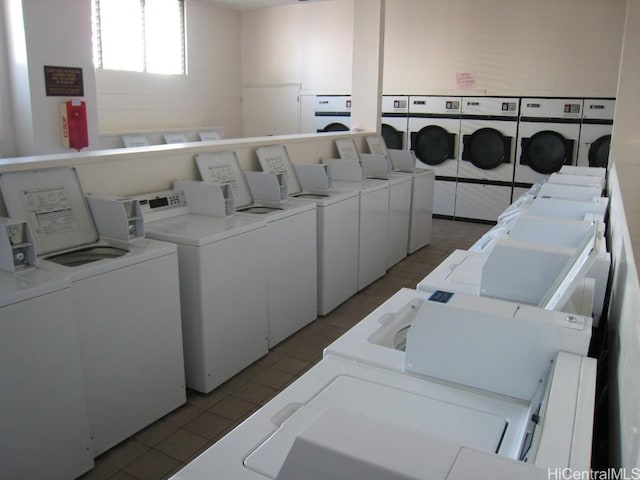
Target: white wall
518,47
208,96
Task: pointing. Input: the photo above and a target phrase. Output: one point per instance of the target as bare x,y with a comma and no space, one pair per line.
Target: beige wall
519,47
208,96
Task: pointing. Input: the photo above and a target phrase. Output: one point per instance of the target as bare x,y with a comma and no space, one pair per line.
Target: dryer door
546,152
335,127
393,137
433,145
599,152
486,148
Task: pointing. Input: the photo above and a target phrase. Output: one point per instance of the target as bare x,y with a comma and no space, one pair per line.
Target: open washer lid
224,168
52,202
275,159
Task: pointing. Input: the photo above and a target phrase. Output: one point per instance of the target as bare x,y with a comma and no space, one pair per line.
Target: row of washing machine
443,383
487,151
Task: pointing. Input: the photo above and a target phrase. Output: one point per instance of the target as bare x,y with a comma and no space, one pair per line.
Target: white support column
53,33
368,51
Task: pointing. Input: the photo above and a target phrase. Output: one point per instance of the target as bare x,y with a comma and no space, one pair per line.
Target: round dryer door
486,148
599,152
546,152
392,137
433,145
335,127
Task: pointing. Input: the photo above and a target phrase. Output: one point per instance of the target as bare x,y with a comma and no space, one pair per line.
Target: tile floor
161,449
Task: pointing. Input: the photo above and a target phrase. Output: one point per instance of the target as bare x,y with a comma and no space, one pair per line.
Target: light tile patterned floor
164,447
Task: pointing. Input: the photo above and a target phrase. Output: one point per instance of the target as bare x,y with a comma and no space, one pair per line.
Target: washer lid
433,145
224,168
52,202
275,159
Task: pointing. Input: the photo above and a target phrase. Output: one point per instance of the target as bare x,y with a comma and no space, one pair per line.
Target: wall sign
63,81
466,80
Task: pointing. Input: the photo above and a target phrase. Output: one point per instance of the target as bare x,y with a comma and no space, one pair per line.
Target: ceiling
249,4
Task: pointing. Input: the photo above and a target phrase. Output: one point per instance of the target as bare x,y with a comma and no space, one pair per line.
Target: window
139,35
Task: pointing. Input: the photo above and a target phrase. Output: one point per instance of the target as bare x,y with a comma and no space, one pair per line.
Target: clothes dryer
422,190
333,113
45,425
488,131
395,118
223,286
291,245
595,132
125,297
373,223
338,212
548,135
434,126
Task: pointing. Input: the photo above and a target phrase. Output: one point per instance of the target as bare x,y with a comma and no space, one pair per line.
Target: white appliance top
551,108
598,109
571,192
490,106
27,284
398,104
575,179
578,170
447,106
52,202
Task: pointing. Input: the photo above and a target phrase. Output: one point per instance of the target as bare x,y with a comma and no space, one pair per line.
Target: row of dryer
487,151
438,383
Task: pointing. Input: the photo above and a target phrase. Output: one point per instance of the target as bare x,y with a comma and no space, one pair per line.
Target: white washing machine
422,190
595,132
569,192
291,247
373,225
400,195
488,131
337,212
339,419
333,113
45,426
434,128
595,209
548,135
395,120
223,284
599,172
126,301
543,275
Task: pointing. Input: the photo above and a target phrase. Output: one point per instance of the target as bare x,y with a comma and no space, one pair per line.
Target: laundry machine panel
444,198
548,135
481,202
146,376
333,113
595,132
374,229
422,194
399,219
395,111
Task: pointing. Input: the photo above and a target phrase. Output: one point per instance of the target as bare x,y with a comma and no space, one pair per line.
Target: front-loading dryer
126,301
395,118
223,286
488,131
333,113
291,244
45,425
595,132
548,135
338,214
434,128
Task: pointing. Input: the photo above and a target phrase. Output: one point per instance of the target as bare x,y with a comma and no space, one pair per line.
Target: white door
270,110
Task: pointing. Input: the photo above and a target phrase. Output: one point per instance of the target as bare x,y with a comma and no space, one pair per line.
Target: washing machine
395,120
434,129
291,246
378,166
125,297
595,209
422,190
595,132
569,192
338,212
223,283
548,136
488,131
427,409
45,426
373,224
333,113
